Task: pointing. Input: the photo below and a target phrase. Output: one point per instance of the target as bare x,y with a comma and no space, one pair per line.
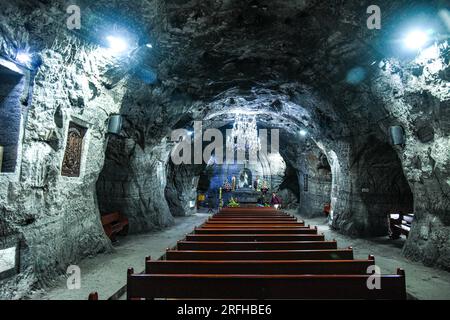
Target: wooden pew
271,219
254,237
255,222
339,254
220,286
235,246
252,216
93,296
400,224
269,267
114,224
256,209
249,227
304,230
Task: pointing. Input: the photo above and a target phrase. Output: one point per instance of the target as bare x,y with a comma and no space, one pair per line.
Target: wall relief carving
74,148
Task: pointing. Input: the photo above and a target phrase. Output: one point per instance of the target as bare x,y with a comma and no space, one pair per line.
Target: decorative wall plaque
72,158
306,182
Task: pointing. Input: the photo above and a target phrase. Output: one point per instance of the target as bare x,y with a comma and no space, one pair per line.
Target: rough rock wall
137,178
133,182
289,188
55,218
417,96
181,189
314,176
368,183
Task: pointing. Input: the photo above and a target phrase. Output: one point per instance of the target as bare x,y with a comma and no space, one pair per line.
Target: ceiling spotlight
23,57
303,133
117,44
149,45
416,39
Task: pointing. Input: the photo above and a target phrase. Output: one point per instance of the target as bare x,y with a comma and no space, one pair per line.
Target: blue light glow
416,39
116,44
23,58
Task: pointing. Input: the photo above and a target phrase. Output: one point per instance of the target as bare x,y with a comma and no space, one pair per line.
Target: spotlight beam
416,40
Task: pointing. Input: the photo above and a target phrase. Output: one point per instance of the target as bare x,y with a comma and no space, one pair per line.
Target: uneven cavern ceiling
291,62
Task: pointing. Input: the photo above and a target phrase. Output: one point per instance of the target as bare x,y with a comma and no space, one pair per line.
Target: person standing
211,203
256,183
275,201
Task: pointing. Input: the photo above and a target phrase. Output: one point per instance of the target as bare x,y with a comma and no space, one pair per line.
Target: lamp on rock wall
23,58
117,44
115,124
416,39
397,135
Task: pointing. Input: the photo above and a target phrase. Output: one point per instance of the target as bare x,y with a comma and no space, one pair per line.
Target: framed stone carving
306,182
71,166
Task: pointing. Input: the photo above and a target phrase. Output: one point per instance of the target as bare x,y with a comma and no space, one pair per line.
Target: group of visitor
275,201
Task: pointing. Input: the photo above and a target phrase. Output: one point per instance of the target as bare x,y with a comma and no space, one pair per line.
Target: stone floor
422,282
106,273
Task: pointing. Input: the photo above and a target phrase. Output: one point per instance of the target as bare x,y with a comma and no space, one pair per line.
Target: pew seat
301,230
333,254
400,224
259,253
269,267
254,237
220,286
114,224
235,246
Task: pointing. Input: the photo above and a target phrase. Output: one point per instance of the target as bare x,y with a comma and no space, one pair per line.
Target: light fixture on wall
23,57
117,44
115,124
416,39
397,134
303,133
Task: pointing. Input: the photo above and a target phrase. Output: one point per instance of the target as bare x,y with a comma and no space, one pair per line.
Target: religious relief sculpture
233,183
72,158
245,179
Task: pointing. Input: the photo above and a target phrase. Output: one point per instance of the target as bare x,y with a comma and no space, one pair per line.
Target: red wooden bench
235,246
301,230
114,224
339,254
400,224
259,254
254,237
220,286
272,219
259,267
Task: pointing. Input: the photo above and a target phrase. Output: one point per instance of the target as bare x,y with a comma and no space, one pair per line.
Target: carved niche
71,166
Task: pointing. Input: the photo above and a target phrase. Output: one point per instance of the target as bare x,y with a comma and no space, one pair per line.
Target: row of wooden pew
256,253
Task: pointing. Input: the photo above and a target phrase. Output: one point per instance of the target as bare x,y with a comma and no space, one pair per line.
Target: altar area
246,196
